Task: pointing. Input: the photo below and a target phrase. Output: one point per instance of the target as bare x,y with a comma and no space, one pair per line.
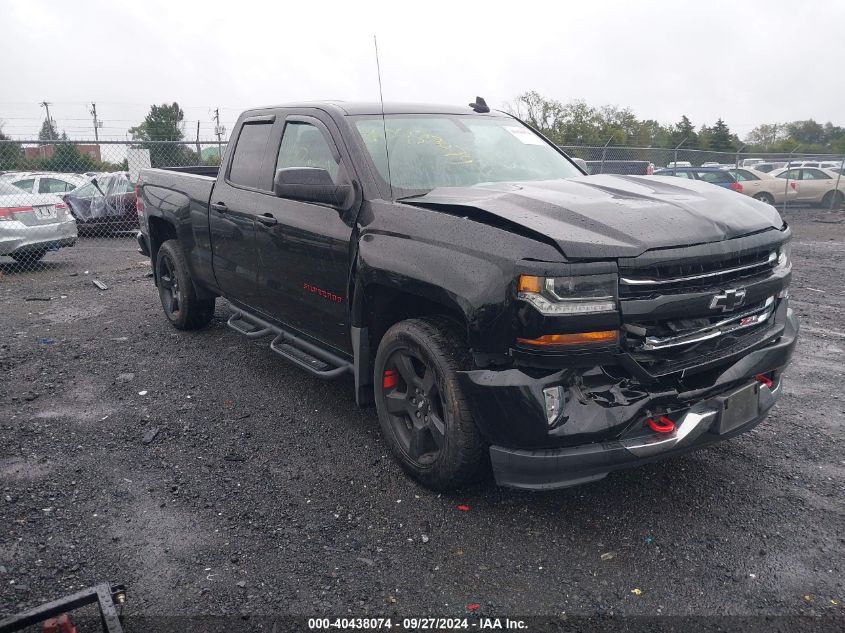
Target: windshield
440,150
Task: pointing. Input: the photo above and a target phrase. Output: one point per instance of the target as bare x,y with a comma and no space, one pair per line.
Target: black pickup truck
499,307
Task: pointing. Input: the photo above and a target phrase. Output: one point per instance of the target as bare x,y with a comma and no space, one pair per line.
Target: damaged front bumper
602,426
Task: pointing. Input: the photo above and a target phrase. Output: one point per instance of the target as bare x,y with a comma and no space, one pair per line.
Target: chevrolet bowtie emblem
728,300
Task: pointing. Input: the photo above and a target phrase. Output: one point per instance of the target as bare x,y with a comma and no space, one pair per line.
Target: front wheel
765,197
179,299
29,257
424,415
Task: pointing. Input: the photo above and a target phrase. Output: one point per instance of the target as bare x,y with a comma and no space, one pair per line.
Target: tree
163,123
11,154
807,132
48,131
766,135
66,157
721,139
684,129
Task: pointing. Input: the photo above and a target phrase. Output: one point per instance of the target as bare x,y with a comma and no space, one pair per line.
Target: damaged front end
702,341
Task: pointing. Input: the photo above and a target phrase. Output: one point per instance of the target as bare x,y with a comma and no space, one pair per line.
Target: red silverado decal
325,294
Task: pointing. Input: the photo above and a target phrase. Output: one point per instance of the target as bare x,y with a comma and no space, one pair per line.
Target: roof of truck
374,107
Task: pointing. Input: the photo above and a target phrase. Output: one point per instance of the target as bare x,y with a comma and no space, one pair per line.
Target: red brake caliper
389,379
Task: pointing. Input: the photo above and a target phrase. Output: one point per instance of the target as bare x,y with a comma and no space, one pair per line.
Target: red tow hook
764,380
662,425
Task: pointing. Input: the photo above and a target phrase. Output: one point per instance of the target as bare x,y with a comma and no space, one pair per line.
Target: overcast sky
748,62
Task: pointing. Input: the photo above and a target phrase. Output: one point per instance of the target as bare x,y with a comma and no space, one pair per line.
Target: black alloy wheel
414,406
168,287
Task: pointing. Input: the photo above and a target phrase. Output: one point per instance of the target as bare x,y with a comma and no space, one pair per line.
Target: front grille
675,278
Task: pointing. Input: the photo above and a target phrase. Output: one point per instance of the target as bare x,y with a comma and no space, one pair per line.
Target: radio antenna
383,120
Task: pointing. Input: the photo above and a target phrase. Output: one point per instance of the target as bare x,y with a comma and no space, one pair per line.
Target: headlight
784,261
561,296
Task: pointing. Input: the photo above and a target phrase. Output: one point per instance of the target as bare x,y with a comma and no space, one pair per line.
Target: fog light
554,403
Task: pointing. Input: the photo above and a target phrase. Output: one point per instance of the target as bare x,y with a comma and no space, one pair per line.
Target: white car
680,163
32,224
815,186
47,182
750,162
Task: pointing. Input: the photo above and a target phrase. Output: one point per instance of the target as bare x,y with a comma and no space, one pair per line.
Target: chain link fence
56,196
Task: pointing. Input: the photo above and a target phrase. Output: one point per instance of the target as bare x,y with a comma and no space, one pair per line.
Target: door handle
220,207
266,219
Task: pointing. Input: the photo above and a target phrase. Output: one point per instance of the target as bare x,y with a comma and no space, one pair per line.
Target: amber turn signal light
528,283
581,338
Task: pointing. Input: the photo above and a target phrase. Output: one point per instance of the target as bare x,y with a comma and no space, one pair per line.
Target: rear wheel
28,257
765,197
833,199
422,410
179,299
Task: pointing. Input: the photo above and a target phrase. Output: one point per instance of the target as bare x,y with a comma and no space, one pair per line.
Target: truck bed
197,187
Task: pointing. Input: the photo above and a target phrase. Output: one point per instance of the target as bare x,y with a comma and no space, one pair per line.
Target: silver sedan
32,224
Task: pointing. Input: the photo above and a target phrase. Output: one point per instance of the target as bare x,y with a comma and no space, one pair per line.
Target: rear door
751,184
716,177
815,184
303,248
241,190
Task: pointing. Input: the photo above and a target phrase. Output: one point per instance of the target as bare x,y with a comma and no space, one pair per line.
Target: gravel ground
212,478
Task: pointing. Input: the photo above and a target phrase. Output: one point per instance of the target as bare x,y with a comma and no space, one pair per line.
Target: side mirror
312,184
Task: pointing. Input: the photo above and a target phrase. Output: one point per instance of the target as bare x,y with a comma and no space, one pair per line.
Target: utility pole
96,123
199,150
218,131
46,106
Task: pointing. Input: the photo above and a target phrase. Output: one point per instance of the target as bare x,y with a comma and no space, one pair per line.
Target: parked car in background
713,175
769,166
32,224
763,187
625,167
680,163
750,162
815,186
710,164
106,203
47,182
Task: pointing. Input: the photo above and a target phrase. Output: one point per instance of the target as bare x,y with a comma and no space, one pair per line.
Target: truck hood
609,216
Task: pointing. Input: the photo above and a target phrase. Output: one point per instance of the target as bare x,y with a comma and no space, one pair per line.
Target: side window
51,185
715,176
742,175
815,174
26,185
792,174
303,145
249,155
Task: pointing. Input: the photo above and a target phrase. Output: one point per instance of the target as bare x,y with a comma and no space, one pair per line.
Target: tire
830,202
766,197
179,299
28,257
431,432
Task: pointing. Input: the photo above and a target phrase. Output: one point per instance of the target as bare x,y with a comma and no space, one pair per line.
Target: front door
303,248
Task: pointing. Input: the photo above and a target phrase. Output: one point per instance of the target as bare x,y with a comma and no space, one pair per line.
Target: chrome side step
310,357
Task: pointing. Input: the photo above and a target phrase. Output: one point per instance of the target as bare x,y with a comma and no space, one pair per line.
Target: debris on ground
636,591
100,284
46,341
608,556
143,393
463,508
474,606
150,435
37,298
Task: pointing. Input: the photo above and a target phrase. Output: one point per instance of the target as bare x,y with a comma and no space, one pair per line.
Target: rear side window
815,174
743,175
53,185
247,163
792,174
26,185
719,177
